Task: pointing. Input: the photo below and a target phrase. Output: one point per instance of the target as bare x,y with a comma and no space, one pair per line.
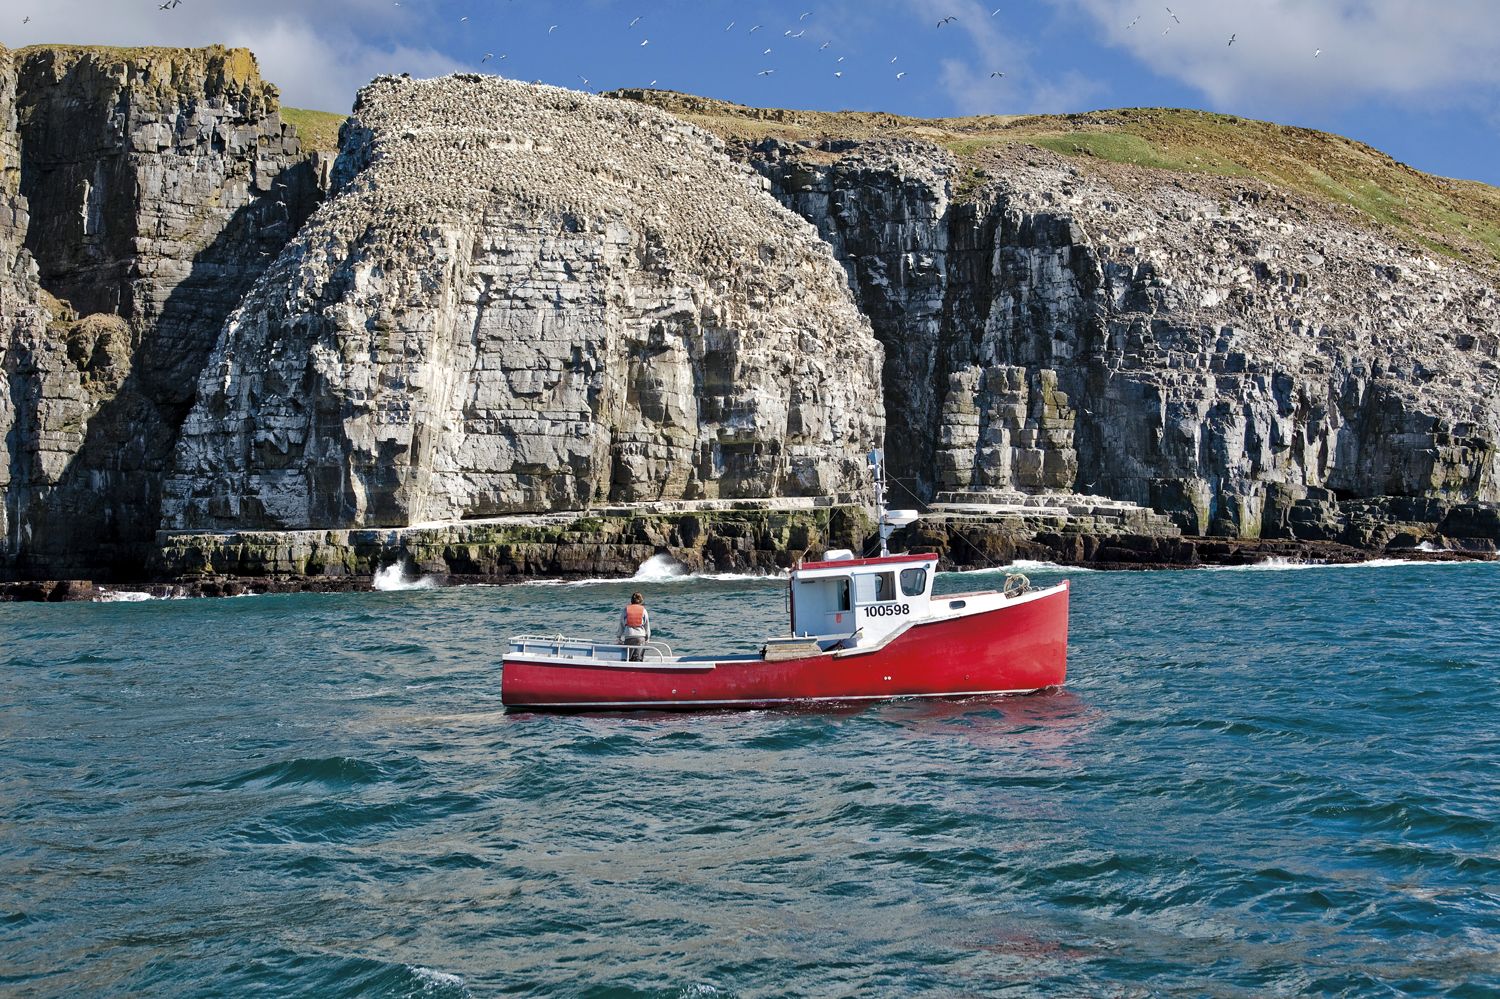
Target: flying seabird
487,57
900,74
824,46
730,25
1132,23
551,28
995,74
765,72
755,29
634,21
945,20
805,15
645,41
1233,37
1317,53
1174,16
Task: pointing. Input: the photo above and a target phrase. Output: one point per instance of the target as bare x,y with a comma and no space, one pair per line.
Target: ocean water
1254,783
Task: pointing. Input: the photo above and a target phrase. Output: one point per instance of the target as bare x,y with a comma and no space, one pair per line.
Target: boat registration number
887,610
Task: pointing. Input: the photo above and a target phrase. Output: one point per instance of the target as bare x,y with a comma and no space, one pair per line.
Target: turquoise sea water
1255,783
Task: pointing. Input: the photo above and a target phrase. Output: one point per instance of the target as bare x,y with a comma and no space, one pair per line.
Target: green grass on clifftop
317,129
1457,218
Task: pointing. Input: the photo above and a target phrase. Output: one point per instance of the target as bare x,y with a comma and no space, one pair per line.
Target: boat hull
1016,648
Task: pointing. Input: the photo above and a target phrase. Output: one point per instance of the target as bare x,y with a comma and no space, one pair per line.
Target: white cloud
301,46
1370,49
971,84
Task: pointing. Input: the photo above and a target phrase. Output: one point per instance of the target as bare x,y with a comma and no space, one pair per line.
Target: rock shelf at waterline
740,546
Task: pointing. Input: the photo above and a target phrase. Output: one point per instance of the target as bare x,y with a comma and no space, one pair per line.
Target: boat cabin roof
838,566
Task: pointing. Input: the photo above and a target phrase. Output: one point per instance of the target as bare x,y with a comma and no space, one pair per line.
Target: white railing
562,646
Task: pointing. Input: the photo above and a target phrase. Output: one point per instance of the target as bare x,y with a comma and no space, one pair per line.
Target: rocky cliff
152,187
22,319
522,300
526,299
1249,359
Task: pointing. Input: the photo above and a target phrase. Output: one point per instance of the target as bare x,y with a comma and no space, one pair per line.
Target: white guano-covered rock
526,299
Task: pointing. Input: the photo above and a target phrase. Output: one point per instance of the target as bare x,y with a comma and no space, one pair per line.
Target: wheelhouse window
875,587
913,582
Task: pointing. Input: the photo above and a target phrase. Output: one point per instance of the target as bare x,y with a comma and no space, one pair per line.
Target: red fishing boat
861,629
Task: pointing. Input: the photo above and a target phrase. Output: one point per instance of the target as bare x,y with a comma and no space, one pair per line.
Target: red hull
1013,649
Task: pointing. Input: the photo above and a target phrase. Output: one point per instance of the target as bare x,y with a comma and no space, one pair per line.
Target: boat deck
659,653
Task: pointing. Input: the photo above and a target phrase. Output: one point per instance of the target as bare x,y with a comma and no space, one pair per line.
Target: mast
877,465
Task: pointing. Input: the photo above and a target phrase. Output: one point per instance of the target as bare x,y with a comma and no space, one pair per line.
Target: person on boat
635,626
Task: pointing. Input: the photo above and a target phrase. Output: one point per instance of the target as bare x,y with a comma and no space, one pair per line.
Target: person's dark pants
634,645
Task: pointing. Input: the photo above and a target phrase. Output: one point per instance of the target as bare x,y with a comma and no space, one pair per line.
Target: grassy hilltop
316,129
1457,218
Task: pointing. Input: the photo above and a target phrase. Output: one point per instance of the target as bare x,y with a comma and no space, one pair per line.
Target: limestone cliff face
524,298
160,183
1239,358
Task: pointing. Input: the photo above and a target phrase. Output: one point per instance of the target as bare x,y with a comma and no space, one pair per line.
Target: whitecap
433,980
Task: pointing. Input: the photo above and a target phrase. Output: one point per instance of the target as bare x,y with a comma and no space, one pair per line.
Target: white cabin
860,600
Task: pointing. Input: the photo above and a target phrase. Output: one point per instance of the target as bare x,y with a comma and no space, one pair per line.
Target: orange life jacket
635,615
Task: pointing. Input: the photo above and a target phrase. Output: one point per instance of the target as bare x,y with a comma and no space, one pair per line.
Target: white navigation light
900,518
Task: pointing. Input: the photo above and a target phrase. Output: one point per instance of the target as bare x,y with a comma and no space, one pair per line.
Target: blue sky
1420,81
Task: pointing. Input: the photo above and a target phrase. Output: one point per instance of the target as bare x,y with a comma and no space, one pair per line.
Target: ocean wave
1019,565
437,982
397,577
662,569
126,596
109,596
333,772
1280,563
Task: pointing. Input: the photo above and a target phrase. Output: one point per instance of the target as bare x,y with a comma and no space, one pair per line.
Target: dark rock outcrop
160,183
